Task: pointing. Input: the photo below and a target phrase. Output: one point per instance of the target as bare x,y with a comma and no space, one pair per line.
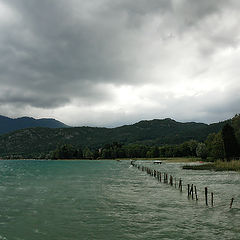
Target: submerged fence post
231,202
188,190
206,193
195,188
171,180
180,184
212,199
192,190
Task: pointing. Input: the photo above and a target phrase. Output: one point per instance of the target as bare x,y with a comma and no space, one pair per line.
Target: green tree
106,154
229,142
236,126
193,146
87,153
209,144
218,147
214,145
65,151
201,150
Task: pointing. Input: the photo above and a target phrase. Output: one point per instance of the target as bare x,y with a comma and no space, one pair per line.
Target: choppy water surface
58,200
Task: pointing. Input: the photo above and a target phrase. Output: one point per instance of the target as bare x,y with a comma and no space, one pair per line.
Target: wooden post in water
160,177
180,184
175,182
171,180
206,193
196,193
231,202
212,199
192,190
188,190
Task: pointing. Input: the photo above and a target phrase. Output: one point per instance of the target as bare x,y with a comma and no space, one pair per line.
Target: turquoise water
61,200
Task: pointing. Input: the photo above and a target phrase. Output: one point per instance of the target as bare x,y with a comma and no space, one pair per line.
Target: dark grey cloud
58,53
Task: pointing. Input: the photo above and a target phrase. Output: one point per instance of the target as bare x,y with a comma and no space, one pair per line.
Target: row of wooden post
192,190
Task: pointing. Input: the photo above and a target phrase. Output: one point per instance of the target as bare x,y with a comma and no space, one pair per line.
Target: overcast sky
114,62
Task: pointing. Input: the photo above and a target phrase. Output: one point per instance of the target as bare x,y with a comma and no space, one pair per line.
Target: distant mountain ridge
12,124
32,142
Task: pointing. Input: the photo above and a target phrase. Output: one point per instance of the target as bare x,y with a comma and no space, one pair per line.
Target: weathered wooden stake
212,199
175,182
196,193
231,202
188,191
192,190
206,193
181,185
170,180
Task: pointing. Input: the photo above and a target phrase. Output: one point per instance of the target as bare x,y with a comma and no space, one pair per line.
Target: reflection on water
111,200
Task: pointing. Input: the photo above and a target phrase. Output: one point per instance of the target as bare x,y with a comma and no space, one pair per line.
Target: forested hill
12,124
33,141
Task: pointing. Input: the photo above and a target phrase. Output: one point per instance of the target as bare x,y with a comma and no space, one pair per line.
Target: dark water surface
65,200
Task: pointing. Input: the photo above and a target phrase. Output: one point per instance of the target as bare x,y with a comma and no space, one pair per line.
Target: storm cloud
111,62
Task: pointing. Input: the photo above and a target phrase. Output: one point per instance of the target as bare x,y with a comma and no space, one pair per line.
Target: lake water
66,200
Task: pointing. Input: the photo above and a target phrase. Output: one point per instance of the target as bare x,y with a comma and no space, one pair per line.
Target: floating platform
157,162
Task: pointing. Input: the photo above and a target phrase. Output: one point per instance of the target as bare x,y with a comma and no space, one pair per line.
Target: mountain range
12,124
30,142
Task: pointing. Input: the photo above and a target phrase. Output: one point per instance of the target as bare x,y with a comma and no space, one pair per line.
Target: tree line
222,145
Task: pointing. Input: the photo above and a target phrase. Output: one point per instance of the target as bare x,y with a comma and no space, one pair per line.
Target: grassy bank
217,166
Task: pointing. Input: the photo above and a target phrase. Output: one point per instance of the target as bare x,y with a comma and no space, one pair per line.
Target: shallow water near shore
66,200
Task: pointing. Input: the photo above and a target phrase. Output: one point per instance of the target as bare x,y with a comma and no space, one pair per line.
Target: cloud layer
110,62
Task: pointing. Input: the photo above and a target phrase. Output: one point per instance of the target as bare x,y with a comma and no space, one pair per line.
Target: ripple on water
58,200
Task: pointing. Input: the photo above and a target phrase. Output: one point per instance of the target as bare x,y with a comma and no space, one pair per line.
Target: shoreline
217,166
171,159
